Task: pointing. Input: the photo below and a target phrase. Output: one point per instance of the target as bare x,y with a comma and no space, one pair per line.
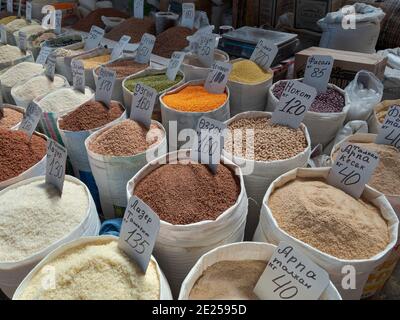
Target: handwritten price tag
188,12
56,163
10,6
296,99
352,169
264,54
94,38
145,48
3,34
22,41
138,9
28,11
43,55
31,118
218,77
143,100
206,49
318,72
119,48
290,275
389,133
78,75
51,66
209,142
57,28
139,231
49,20
105,85
174,64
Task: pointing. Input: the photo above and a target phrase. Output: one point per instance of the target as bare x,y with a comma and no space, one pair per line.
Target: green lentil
159,82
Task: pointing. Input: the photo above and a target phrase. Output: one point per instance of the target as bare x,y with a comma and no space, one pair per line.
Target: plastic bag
362,94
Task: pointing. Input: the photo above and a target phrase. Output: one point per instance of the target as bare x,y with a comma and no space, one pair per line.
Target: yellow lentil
93,62
246,71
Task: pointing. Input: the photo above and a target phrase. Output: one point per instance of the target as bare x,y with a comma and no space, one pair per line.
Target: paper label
188,12
296,99
174,64
78,75
120,46
51,66
31,118
58,21
218,77
28,11
318,72
19,9
105,85
206,47
49,20
389,133
56,163
22,41
264,54
145,48
43,55
209,142
3,34
10,4
138,9
139,231
143,100
352,169
94,38
291,275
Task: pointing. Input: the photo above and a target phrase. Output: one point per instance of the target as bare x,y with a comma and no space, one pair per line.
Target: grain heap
10,118
125,68
172,39
133,27
19,73
94,62
159,82
248,72
94,19
9,53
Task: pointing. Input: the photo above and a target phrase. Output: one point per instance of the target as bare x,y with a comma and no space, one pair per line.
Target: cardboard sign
49,20
78,75
28,11
143,100
51,66
352,169
119,48
264,54
188,14
58,21
174,64
56,163
94,38
389,133
206,48
31,119
10,6
291,275
105,85
43,55
138,9
22,41
3,34
218,77
139,231
318,72
145,48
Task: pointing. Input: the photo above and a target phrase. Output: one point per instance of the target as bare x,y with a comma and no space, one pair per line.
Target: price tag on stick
138,9
31,118
145,48
352,169
205,51
56,163
51,66
143,100
218,77
10,6
389,133
105,85
119,48
290,275
264,54
3,34
43,55
28,11
318,72
209,142
58,21
188,12
22,41
78,75
94,38
296,99
174,64
139,231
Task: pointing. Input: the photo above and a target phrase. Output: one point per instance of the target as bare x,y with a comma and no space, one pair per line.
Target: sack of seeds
379,113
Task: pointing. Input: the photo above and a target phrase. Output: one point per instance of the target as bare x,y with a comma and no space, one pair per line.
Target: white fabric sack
322,127
178,247
391,81
12,273
239,252
248,97
39,169
165,292
363,93
88,4
258,180
362,37
373,122
269,231
112,173
63,64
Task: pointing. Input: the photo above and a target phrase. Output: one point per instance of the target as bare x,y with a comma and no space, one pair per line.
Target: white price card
208,142
389,133
139,231
58,21
143,100
318,72
51,66
296,99
105,85
352,169
43,55
218,77
78,75
174,64
138,9
94,38
56,163
145,48
3,34
31,118
22,41
120,46
264,54
291,275
10,4
49,19
28,11
188,12
19,9
206,47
